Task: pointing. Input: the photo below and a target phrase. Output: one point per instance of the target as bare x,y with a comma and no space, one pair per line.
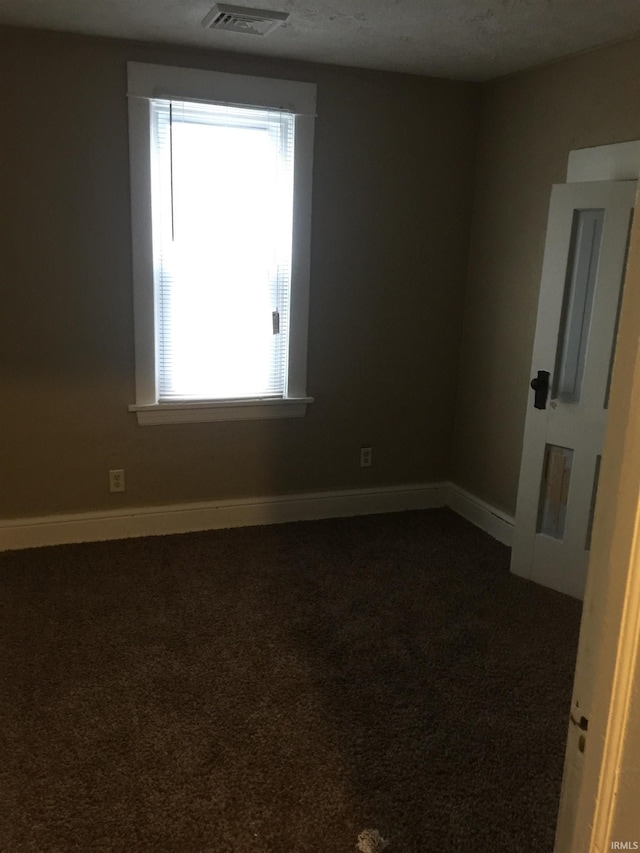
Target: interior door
583,270
601,778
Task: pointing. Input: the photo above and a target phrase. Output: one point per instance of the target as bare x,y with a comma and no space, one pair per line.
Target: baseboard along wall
493,521
213,515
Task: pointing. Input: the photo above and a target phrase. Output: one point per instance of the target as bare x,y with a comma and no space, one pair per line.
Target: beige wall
393,185
529,124
391,211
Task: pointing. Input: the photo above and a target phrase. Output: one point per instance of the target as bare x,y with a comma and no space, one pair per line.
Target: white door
582,274
601,782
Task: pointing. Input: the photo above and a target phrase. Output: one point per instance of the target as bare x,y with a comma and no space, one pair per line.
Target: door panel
583,270
584,256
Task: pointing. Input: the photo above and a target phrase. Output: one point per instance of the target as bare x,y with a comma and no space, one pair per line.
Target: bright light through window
221,179
222,224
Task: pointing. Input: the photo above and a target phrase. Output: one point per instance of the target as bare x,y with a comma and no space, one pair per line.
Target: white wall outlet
116,480
365,457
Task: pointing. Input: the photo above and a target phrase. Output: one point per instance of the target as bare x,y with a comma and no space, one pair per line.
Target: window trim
145,82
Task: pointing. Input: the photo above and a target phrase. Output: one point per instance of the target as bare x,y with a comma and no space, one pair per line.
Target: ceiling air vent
240,19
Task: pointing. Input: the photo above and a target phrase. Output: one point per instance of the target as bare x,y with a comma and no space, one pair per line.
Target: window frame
146,82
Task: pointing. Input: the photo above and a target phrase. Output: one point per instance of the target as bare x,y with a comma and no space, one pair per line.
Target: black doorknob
540,385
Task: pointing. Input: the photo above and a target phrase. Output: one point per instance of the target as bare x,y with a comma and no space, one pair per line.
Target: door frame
587,815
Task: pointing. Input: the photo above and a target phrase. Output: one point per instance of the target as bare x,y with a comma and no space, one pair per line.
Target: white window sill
223,410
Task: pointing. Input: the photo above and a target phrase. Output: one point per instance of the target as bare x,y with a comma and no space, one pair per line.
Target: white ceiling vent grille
240,19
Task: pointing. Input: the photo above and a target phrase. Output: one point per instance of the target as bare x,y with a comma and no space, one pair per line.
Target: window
221,208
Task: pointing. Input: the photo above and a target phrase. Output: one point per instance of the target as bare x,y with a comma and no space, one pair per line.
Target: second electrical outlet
116,480
365,457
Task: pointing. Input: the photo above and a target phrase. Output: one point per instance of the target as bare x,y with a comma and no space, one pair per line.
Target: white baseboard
214,515
493,521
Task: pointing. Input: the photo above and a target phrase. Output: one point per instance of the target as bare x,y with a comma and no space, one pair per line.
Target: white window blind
222,213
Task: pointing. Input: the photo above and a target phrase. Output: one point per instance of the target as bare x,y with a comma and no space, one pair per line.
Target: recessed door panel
580,286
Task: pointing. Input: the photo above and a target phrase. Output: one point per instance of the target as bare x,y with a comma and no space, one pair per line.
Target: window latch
275,320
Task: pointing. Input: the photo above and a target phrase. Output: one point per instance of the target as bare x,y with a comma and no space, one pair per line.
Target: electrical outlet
116,480
365,457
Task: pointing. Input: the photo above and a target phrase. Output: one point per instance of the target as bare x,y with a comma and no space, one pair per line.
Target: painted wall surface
530,123
391,214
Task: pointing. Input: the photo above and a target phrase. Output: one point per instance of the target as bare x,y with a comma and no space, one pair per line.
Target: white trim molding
493,521
213,515
617,162
221,410
130,522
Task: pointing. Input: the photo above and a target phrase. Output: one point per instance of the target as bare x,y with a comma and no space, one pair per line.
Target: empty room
318,471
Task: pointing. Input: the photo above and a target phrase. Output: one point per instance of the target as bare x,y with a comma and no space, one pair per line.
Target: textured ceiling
460,39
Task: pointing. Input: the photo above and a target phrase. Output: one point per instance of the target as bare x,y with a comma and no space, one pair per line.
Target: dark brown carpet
279,689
